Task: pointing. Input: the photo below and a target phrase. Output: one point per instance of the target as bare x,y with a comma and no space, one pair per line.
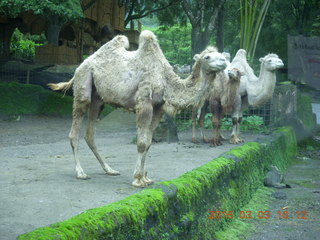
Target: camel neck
263,88
189,92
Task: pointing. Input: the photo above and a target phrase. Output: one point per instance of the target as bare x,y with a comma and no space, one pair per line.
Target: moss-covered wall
179,208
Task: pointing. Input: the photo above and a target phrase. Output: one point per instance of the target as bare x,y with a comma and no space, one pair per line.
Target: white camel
254,91
141,81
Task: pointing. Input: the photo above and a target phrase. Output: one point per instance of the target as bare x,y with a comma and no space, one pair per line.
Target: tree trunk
220,30
6,31
199,40
54,28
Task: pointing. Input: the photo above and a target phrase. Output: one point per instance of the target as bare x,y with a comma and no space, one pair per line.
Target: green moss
304,109
242,151
107,220
240,228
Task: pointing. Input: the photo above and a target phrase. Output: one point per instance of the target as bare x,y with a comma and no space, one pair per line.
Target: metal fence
254,118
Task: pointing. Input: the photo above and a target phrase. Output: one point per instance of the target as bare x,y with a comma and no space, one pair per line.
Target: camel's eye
207,57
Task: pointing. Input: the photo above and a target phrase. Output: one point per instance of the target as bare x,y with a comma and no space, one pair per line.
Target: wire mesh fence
254,119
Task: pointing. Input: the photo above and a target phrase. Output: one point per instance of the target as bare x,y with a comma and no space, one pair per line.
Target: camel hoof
83,177
216,143
206,140
113,172
142,182
194,140
236,140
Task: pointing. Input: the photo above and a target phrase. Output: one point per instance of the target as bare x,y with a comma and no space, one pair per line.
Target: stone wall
179,208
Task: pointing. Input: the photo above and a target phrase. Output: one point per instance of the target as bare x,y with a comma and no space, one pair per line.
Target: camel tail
64,86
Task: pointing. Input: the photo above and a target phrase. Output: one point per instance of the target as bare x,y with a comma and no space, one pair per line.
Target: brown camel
223,97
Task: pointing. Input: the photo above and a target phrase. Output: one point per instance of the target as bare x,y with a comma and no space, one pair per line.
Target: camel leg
94,111
194,123
201,123
79,109
147,121
144,115
216,123
236,120
235,130
244,105
156,118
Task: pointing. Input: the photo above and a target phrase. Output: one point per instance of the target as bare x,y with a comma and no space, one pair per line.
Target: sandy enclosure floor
38,184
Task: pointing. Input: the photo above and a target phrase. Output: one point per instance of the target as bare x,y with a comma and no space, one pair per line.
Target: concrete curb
179,208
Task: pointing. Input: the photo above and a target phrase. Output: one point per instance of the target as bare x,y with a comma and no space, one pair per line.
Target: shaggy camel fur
254,91
222,98
141,81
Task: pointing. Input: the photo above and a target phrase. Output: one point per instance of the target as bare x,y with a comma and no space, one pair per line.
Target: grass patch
23,99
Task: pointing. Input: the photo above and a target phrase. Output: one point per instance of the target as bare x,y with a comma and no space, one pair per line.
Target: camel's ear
261,60
196,57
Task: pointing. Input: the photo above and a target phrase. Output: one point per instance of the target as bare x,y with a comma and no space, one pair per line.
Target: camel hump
147,36
121,41
241,54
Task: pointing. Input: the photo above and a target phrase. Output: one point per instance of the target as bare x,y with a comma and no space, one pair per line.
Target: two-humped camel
141,81
223,97
254,91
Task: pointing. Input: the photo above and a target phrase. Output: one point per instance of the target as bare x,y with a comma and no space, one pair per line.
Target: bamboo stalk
259,30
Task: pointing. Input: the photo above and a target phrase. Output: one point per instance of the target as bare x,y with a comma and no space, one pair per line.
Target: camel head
271,62
211,60
235,74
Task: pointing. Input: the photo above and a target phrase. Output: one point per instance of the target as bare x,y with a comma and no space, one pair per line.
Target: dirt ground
37,179
295,211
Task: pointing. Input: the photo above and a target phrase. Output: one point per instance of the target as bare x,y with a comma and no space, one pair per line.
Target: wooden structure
101,22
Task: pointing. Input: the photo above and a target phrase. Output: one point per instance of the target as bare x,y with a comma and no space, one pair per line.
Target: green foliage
175,42
23,46
253,123
252,15
249,123
68,10
316,27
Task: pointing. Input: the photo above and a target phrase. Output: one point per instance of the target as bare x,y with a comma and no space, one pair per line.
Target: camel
254,91
222,98
140,81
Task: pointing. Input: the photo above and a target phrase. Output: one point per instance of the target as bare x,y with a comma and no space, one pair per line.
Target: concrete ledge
179,208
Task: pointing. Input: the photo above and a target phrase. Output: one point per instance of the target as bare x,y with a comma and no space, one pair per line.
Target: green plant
252,16
23,46
175,42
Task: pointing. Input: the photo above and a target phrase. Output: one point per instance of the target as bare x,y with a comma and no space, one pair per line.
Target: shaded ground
301,201
37,178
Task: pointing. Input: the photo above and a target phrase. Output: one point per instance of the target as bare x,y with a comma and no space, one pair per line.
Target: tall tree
56,12
136,9
202,15
300,16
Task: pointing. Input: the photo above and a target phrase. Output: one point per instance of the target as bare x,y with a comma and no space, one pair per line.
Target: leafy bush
23,46
252,123
175,42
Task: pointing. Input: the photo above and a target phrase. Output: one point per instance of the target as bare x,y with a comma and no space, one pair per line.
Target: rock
166,131
274,178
